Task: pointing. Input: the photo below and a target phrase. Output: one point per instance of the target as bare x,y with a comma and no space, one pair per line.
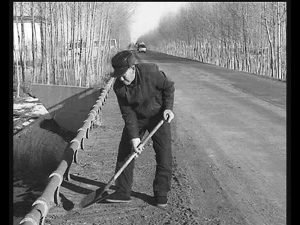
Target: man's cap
121,62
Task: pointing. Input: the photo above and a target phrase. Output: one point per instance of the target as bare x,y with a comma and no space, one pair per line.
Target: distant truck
142,47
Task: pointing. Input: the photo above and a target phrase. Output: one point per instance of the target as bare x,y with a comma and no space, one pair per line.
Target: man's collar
137,79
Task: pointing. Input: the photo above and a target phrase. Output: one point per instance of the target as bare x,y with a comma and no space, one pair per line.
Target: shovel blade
95,196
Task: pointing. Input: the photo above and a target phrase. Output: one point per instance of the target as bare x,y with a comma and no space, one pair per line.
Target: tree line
67,43
245,36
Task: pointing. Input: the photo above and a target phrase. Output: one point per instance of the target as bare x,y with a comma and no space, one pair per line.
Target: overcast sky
147,16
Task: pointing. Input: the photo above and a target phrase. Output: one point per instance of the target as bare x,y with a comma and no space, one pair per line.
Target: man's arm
131,124
167,87
129,116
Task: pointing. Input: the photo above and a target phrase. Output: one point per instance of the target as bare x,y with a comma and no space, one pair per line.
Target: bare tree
70,41
247,36
23,46
17,52
33,41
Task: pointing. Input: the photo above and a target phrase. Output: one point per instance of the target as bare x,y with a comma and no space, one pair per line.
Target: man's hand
135,142
168,115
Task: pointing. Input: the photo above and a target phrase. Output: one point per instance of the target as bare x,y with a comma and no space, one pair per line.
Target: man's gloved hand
135,142
168,115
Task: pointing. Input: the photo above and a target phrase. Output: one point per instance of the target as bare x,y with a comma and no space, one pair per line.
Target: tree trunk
17,74
32,42
69,44
80,53
279,42
56,43
17,52
270,42
86,45
64,48
52,44
77,73
73,43
42,44
23,47
99,46
90,52
46,45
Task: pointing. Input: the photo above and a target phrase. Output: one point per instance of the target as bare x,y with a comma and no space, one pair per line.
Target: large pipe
50,196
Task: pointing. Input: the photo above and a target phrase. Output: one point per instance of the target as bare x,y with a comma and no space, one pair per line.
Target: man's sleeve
129,117
166,85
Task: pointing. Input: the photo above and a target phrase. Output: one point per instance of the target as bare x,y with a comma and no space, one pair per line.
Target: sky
148,14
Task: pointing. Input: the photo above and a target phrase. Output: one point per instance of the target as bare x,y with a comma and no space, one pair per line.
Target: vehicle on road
142,48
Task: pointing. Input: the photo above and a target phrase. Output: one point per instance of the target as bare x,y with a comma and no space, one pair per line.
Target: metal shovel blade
95,196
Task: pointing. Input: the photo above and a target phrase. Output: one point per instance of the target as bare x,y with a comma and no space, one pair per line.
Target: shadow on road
26,191
51,125
68,205
68,105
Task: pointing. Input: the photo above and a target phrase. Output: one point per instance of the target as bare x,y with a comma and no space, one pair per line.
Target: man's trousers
163,155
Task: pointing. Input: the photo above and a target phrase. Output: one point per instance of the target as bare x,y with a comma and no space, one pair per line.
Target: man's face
128,76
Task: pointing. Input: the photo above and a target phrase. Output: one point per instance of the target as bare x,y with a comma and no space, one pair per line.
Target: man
145,96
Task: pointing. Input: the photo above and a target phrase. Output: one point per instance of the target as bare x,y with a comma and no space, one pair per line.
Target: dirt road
231,127
229,154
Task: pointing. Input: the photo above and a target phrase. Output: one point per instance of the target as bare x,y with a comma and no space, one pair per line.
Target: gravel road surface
229,154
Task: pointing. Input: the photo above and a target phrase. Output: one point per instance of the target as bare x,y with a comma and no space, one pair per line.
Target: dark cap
121,62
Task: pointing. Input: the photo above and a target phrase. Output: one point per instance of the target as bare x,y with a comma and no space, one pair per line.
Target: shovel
101,193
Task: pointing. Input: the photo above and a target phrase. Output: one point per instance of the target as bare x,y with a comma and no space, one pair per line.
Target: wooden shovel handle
133,155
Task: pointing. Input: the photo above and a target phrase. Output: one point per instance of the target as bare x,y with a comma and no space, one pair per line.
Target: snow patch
27,112
18,106
39,110
30,99
27,122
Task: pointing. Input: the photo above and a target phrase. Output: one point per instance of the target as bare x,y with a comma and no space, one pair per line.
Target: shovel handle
151,134
133,155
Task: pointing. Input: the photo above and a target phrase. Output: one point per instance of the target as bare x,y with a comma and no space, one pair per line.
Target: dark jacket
149,93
